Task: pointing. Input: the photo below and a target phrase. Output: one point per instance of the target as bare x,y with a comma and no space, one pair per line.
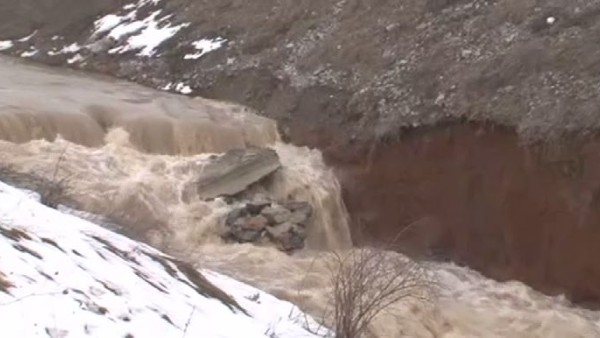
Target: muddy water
38,102
139,181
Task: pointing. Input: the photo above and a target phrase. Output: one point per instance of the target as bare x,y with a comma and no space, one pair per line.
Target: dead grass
14,234
52,242
204,287
27,250
52,193
5,284
53,190
115,250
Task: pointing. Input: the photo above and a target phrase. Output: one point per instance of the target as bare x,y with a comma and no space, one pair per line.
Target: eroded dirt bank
478,195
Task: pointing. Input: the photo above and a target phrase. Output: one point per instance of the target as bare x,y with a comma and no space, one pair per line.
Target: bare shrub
366,282
53,191
5,284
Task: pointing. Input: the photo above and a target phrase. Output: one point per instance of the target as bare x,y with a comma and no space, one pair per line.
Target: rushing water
128,152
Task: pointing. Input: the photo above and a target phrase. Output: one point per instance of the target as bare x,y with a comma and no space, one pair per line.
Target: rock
263,217
242,235
287,236
234,215
256,207
246,229
234,171
301,212
258,222
279,230
276,214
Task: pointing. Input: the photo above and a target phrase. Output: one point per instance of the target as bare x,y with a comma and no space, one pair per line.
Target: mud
476,194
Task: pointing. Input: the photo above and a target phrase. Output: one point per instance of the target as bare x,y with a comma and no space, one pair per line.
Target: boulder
258,222
243,235
287,236
276,214
256,207
264,220
301,212
245,229
234,215
232,172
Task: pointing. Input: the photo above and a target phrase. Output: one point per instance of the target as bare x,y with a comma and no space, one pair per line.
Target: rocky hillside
69,277
369,67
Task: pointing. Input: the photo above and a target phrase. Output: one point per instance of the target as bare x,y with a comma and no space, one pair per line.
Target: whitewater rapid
128,153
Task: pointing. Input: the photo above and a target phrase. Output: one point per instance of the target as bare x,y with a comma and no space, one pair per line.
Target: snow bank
137,32
6,44
63,276
204,46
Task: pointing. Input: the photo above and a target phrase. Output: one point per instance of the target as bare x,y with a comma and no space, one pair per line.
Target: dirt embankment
349,76
477,195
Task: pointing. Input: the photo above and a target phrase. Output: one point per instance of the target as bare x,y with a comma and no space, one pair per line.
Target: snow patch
29,53
152,36
6,44
70,49
178,87
107,23
75,58
65,276
144,35
28,37
205,46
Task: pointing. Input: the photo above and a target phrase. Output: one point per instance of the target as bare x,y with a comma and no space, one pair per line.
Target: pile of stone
283,224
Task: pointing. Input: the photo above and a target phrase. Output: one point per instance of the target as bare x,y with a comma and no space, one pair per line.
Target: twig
187,324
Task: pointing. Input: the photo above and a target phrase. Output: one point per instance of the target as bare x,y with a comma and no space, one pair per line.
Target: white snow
67,277
70,49
75,58
126,28
26,38
29,53
151,36
178,87
205,46
140,34
107,22
6,44
183,88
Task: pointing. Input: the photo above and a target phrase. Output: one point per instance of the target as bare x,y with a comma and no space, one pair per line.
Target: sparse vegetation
52,193
53,190
366,282
5,284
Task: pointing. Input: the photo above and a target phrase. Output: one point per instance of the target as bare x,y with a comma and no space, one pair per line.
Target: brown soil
475,194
